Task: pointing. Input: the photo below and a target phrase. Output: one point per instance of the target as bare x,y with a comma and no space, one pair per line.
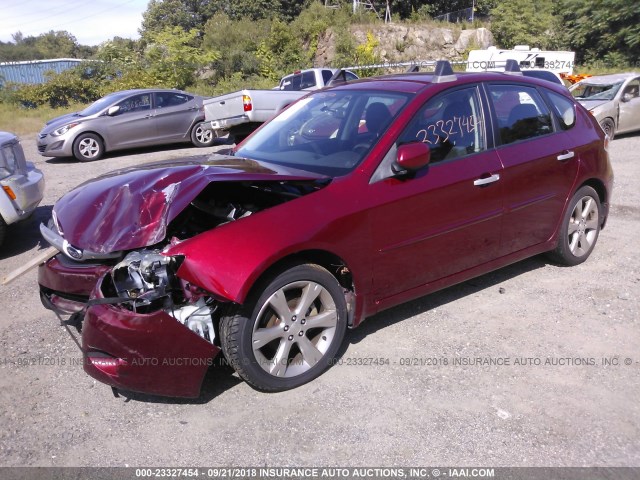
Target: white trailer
495,59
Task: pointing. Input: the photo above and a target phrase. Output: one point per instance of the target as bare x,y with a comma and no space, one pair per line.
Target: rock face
405,43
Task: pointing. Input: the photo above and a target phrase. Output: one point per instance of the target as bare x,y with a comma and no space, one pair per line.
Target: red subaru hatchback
354,199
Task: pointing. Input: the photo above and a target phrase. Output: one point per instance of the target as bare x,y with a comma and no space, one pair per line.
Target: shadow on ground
25,235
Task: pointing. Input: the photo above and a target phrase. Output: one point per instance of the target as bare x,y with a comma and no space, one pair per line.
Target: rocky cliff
404,43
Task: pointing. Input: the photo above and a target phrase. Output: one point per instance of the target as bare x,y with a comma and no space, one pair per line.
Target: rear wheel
88,147
580,228
200,136
290,333
609,127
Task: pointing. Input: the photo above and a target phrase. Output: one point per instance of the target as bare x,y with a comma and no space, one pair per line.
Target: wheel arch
331,262
602,192
102,138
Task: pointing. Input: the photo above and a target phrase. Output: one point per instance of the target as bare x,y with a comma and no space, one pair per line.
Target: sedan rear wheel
291,333
580,228
88,147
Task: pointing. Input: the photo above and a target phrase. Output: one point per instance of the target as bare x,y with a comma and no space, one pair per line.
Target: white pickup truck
240,113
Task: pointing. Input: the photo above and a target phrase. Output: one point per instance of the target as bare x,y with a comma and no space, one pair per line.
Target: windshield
103,103
593,91
329,132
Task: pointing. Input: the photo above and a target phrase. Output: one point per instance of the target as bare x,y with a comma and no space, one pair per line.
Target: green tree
186,14
194,14
173,57
53,44
237,48
523,22
602,30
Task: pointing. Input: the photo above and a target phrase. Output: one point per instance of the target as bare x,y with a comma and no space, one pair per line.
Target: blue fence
33,71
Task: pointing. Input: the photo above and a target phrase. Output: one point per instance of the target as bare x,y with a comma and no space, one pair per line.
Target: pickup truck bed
241,112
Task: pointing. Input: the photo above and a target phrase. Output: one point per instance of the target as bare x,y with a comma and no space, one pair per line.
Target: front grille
42,136
42,148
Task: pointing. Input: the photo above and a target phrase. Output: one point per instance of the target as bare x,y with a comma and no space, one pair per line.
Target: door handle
566,155
486,181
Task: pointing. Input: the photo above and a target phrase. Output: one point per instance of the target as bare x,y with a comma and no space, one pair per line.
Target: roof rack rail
512,67
443,72
337,78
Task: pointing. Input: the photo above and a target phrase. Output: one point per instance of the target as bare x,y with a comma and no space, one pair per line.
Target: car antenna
443,72
512,68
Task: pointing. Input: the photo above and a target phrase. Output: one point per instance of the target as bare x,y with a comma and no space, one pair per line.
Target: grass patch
29,121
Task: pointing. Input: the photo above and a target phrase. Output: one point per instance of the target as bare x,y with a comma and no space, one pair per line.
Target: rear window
564,109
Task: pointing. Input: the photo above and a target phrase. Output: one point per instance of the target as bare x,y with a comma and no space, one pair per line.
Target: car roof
146,90
543,74
613,78
415,82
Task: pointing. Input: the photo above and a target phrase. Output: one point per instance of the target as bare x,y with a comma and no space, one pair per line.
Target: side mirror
113,110
627,97
412,157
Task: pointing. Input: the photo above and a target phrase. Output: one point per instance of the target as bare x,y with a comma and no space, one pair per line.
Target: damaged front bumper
143,352
65,286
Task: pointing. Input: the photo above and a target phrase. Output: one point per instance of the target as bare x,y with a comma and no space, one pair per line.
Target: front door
447,218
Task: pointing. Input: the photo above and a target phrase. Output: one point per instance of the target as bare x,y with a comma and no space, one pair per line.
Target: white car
22,183
613,99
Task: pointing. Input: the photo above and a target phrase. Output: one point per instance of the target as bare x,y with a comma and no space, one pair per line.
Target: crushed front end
143,328
146,330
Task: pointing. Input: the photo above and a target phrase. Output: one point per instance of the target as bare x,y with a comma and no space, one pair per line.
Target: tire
580,228
88,147
201,137
609,127
3,229
290,333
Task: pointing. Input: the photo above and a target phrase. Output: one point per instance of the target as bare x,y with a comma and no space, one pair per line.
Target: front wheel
580,228
88,147
202,137
290,334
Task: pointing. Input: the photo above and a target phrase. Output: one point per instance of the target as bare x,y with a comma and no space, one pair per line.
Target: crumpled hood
131,208
591,104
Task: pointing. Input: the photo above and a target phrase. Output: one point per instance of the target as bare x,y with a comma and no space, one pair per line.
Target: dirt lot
566,391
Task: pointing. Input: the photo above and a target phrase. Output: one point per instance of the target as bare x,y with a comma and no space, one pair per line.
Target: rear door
540,159
175,115
447,218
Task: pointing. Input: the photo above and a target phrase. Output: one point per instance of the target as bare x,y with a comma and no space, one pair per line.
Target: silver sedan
613,99
126,119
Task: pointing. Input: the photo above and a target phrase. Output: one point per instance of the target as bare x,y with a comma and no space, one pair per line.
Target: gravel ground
581,411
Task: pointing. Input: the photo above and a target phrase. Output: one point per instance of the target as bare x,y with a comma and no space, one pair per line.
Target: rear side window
564,109
521,113
308,80
170,99
451,124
